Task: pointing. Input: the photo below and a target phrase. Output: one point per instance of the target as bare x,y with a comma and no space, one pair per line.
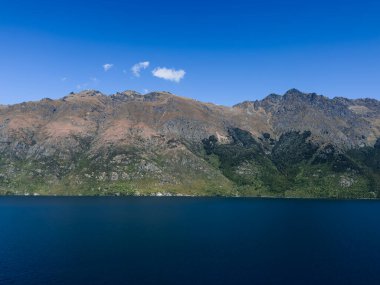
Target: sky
223,52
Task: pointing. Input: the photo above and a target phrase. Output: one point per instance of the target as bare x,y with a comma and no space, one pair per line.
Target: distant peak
129,93
293,91
83,94
273,96
88,93
160,93
126,95
294,94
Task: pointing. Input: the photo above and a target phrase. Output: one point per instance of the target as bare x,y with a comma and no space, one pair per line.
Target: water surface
92,240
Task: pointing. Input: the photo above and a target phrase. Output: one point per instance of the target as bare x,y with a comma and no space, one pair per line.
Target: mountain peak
126,95
293,91
129,93
89,92
82,94
311,98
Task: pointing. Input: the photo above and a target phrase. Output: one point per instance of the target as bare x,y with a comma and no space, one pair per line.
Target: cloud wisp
94,80
136,69
169,74
107,66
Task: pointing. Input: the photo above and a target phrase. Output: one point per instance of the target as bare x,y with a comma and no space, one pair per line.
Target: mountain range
291,145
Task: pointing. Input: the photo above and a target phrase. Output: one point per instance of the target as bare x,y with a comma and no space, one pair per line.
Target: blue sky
215,51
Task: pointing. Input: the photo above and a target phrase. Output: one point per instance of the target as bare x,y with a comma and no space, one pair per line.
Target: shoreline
190,196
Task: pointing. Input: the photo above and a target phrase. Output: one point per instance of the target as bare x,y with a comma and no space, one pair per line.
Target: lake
152,240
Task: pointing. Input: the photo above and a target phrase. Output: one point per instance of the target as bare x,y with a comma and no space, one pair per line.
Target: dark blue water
188,241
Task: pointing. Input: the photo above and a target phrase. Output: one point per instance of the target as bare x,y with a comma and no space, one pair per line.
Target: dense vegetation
295,166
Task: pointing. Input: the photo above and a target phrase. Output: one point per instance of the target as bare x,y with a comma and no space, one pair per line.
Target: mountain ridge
133,92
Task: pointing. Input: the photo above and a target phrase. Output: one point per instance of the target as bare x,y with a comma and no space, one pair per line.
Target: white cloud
136,69
145,91
107,66
63,79
169,73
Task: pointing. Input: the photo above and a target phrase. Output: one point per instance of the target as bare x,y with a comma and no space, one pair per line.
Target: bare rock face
85,140
339,121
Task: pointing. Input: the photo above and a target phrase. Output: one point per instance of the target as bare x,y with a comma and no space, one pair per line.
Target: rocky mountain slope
88,143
